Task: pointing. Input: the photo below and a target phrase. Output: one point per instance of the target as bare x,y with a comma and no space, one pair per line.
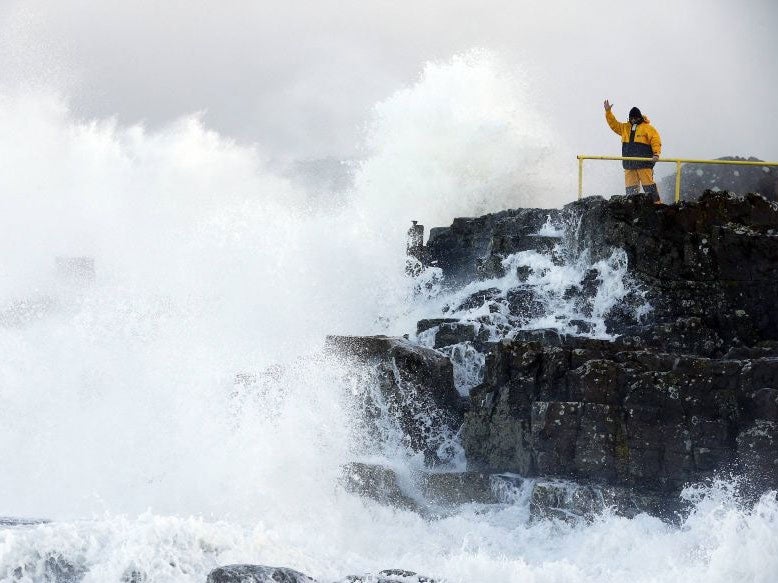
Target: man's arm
614,124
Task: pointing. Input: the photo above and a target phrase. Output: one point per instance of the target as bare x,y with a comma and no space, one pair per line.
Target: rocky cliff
680,387
626,350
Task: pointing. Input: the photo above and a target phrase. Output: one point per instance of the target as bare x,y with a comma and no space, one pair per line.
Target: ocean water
174,412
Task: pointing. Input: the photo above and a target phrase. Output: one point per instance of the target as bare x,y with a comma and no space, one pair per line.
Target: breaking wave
169,411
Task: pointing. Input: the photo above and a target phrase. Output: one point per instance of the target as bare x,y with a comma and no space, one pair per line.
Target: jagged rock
490,267
757,449
688,391
455,488
53,567
478,299
442,489
581,326
562,499
426,324
683,336
765,349
546,336
429,371
592,410
523,272
454,333
460,250
573,502
390,576
524,303
256,574
715,259
378,483
415,384
623,316
263,574
586,288
764,404
494,437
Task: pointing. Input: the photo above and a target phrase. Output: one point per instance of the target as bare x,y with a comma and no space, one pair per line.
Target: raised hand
607,104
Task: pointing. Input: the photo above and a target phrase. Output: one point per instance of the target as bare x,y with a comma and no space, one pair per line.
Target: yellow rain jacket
642,141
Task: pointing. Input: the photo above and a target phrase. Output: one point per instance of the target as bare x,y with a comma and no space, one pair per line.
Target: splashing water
175,414
559,290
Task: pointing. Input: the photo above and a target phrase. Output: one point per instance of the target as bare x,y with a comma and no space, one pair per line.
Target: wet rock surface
378,483
463,250
390,576
441,489
642,419
53,567
256,574
708,269
582,502
684,392
715,259
415,387
264,574
425,370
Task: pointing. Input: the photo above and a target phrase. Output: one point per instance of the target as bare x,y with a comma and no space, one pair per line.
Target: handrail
678,162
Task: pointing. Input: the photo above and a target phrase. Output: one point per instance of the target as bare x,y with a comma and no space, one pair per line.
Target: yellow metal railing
678,162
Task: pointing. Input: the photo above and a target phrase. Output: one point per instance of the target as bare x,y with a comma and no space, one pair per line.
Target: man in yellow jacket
639,139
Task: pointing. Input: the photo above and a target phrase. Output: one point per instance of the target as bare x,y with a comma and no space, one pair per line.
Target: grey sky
300,77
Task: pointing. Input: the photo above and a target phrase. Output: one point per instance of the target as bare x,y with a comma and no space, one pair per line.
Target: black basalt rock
256,574
685,389
415,386
524,303
626,418
390,576
454,333
715,259
462,251
378,483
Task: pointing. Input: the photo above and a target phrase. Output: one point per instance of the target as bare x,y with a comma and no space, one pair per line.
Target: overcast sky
301,77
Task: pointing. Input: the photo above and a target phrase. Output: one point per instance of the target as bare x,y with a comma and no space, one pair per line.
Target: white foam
120,417
720,542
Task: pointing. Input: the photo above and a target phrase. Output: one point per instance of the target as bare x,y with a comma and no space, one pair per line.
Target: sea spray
128,414
473,545
463,141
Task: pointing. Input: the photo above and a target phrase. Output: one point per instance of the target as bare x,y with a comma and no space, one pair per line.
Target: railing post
677,181
580,177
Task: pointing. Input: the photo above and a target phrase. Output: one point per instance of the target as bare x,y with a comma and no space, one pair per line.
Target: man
639,139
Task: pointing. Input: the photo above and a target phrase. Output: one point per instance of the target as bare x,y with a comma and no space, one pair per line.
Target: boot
652,191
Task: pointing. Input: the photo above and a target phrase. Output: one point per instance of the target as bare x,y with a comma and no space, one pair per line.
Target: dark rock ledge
684,394
646,420
264,574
